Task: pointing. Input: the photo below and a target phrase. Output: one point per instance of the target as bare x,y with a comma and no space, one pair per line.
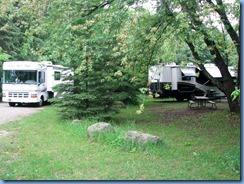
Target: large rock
99,128
139,137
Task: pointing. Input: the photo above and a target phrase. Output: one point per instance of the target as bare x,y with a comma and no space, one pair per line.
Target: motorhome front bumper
20,97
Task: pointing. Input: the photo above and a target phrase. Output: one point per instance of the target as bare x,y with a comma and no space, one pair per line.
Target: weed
231,160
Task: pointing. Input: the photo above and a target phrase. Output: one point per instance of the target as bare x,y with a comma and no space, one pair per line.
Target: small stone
76,121
119,104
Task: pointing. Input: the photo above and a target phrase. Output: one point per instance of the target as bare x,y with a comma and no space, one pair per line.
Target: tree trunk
234,106
219,8
227,86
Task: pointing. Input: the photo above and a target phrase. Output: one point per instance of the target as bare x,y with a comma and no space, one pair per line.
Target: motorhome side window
57,75
41,77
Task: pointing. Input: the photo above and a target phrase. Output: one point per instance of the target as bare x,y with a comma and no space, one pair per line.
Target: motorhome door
42,81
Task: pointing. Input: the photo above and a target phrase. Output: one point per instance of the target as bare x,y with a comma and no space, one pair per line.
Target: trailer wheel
179,98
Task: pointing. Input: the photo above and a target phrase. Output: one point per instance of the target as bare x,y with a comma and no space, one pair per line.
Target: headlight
33,95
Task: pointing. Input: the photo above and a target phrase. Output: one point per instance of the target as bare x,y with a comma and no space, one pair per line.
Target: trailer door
174,75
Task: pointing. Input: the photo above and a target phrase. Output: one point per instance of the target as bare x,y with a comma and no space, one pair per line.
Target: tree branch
214,51
99,6
234,36
222,13
200,64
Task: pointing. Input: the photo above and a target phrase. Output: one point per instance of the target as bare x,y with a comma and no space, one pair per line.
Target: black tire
11,104
40,103
179,98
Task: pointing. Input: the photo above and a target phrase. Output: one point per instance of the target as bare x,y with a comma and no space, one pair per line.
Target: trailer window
187,73
19,76
186,78
202,79
57,75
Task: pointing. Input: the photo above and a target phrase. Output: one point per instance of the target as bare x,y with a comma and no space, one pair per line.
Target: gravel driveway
8,113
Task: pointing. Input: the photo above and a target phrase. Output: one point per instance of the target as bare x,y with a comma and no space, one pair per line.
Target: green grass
196,145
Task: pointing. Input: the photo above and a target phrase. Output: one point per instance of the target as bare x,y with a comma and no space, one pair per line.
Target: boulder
100,127
139,137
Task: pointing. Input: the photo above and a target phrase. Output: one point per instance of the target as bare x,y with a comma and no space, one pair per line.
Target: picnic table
202,102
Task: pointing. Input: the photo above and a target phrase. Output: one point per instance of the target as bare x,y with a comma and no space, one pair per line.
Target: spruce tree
100,78
97,84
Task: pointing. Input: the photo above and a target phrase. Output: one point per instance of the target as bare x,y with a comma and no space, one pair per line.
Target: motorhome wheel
11,104
39,104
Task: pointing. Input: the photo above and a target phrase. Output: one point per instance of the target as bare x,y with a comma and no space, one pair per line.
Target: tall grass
201,146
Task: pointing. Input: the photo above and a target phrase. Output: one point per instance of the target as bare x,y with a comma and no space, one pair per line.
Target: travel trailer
179,82
31,82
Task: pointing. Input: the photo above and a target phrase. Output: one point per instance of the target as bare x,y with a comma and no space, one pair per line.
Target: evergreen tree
100,77
97,85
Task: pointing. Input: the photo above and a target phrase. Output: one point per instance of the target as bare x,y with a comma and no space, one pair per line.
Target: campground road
8,113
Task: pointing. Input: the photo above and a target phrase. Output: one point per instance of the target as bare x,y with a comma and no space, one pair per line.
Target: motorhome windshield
20,77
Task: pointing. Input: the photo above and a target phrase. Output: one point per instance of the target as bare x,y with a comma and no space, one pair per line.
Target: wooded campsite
110,46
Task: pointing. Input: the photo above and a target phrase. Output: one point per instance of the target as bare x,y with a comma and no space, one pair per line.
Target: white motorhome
31,82
179,82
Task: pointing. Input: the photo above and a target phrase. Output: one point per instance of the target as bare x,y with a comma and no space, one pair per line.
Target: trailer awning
188,72
214,71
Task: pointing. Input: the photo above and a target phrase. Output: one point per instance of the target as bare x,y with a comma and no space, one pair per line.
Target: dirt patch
167,116
172,115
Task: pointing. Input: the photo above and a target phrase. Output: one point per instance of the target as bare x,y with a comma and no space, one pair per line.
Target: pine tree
97,85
